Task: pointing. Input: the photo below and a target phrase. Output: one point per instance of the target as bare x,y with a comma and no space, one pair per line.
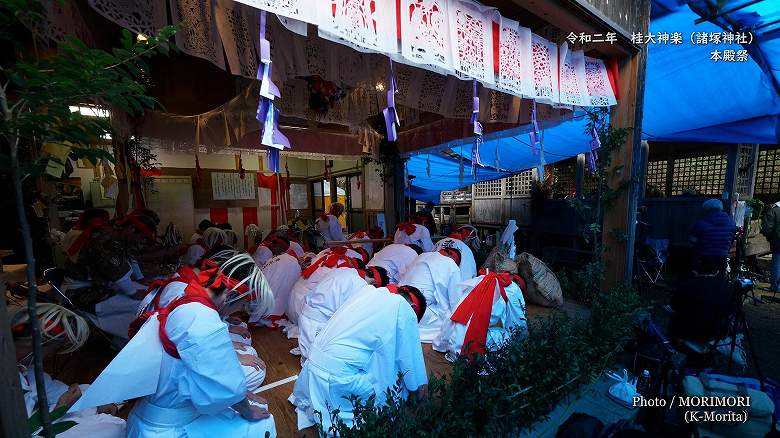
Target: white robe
330,229
194,393
298,295
114,314
360,351
368,247
297,249
420,237
90,423
281,272
321,303
262,254
394,258
468,266
351,253
437,277
505,316
193,254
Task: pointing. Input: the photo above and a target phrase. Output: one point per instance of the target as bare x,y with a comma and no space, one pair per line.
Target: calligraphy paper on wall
515,66
471,40
571,88
425,33
366,25
599,89
545,58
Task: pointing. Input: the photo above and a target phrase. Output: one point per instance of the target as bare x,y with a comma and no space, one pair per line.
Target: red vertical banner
218,215
613,74
270,182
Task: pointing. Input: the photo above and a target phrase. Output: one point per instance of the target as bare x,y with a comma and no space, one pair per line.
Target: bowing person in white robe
492,308
211,237
61,330
281,272
189,377
416,234
327,260
328,224
436,275
468,266
366,249
394,258
272,246
336,287
360,351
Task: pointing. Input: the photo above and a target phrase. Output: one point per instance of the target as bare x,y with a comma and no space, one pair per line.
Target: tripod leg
752,350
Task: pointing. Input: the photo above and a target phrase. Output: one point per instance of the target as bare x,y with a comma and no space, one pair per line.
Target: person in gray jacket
770,228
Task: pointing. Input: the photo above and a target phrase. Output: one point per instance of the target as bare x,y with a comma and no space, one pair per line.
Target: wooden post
579,176
618,253
13,415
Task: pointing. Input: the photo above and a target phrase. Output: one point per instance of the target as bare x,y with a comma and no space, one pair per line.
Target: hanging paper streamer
595,144
540,166
267,113
198,172
390,114
428,165
498,154
534,134
477,127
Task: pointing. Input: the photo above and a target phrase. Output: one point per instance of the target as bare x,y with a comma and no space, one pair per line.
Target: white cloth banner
545,58
471,40
515,67
597,80
367,25
300,10
572,89
425,39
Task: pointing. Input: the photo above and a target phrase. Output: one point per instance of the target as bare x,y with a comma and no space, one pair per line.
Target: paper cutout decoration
471,36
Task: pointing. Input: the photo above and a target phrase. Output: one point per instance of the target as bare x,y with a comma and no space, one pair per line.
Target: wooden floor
272,346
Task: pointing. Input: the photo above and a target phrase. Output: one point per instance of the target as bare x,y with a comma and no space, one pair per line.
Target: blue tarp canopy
502,154
691,98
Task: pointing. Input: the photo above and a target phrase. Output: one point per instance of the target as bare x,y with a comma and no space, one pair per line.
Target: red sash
476,307
337,258
86,233
194,293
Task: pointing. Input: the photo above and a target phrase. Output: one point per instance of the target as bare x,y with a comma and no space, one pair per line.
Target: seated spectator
711,237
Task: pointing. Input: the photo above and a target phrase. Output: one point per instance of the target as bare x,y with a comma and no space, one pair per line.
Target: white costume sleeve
262,254
214,379
126,285
408,350
515,312
425,238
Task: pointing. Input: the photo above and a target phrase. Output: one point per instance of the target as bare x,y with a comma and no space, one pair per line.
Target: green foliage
506,391
756,207
583,284
34,422
37,92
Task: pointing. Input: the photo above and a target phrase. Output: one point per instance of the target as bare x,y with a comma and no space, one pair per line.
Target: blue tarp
502,153
691,98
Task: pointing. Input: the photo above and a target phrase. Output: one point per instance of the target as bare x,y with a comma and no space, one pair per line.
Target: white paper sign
230,186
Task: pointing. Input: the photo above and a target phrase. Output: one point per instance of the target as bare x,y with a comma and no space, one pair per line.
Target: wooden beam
13,415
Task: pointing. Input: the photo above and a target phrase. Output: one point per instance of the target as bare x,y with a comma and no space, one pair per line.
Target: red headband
416,304
334,259
407,227
374,274
462,234
446,252
214,278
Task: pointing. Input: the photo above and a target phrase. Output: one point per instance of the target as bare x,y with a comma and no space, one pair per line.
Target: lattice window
656,177
488,189
768,172
520,185
699,175
565,182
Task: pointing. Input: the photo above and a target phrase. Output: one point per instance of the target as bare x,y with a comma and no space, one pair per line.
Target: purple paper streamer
477,128
534,134
390,114
273,160
267,113
595,144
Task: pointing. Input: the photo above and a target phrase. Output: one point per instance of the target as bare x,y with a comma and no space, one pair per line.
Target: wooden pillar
618,253
730,183
13,415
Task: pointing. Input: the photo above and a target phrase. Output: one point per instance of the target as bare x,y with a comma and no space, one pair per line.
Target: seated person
272,246
711,236
281,272
360,351
365,249
336,287
436,275
394,258
328,223
425,218
412,233
328,260
212,237
204,225
702,305
62,331
468,266
201,389
478,324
